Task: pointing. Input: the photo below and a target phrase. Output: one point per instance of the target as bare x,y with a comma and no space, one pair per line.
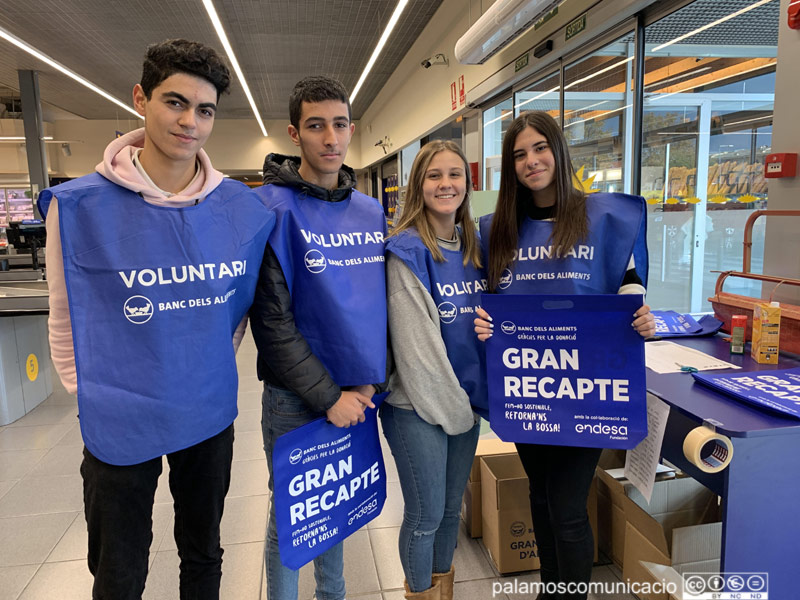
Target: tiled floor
43,533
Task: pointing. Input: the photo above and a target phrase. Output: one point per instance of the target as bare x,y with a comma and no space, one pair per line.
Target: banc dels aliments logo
508,327
295,456
315,261
138,309
447,312
506,278
518,529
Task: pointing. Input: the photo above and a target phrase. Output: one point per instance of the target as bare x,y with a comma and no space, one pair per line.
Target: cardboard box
625,518
682,543
471,503
610,531
507,526
519,499
489,447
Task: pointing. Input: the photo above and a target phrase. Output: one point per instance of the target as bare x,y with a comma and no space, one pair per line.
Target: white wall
782,244
234,145
416,100
13,157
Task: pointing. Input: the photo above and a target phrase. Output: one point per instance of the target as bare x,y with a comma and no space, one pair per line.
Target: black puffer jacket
284,357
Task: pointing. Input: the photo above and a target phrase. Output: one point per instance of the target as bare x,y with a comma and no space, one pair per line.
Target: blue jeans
281,412
433,468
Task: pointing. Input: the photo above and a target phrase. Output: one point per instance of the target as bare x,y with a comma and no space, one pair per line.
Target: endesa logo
600,429
447,312
363,511
508,327
315,261
506,277
138,310
295,456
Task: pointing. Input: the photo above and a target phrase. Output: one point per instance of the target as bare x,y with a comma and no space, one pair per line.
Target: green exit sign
521,62
576,27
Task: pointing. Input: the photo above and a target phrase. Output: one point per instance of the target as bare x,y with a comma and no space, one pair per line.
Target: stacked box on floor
679,527
507,524
471,504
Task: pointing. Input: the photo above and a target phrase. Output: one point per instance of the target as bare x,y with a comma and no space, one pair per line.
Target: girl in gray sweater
434,282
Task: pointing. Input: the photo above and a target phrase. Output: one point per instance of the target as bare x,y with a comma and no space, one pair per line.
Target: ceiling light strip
712,24
20,138
381,43
212,13
59,67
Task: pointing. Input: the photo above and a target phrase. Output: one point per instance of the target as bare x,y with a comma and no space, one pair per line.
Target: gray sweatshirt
423,379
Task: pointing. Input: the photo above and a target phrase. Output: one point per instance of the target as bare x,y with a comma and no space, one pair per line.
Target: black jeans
560,477
118,504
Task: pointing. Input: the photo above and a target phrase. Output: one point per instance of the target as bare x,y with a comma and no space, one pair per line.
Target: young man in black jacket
319,315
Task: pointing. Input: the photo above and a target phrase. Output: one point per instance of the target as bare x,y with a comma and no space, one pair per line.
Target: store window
707,123
407,156
542,94
453,131
496,120
598,115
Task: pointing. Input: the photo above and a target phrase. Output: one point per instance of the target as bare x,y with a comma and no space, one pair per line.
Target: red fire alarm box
794,15
780,165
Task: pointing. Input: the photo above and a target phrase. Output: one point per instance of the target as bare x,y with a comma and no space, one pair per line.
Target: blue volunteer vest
155,294
456,289
332,256
597,265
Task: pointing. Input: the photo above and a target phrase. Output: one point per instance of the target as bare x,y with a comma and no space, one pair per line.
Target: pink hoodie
118,166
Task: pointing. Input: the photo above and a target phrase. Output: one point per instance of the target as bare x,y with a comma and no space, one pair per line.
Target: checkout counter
25,377
760,488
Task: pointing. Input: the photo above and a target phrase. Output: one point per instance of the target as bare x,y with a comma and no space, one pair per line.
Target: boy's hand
349,409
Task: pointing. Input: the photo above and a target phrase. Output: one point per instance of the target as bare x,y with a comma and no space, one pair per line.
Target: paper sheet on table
669,357
641,462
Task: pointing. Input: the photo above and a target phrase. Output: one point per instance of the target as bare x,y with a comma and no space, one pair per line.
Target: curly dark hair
182,56
316,89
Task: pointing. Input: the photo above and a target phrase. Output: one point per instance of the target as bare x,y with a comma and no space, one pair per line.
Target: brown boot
432,593
446,580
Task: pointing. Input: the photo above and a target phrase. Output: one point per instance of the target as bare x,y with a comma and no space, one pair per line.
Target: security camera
436,59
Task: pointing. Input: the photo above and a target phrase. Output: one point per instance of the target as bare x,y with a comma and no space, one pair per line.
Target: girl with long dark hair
543,225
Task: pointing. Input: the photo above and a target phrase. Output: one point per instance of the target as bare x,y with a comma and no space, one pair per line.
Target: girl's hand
484,326
644,322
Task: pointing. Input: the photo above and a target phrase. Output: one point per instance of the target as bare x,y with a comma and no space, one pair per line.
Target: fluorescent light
585,108
381,43
212,13
507,114
712,24
20,138
555,89
574,83
596,73
691,87
748,120
59,67
605,114
683,75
